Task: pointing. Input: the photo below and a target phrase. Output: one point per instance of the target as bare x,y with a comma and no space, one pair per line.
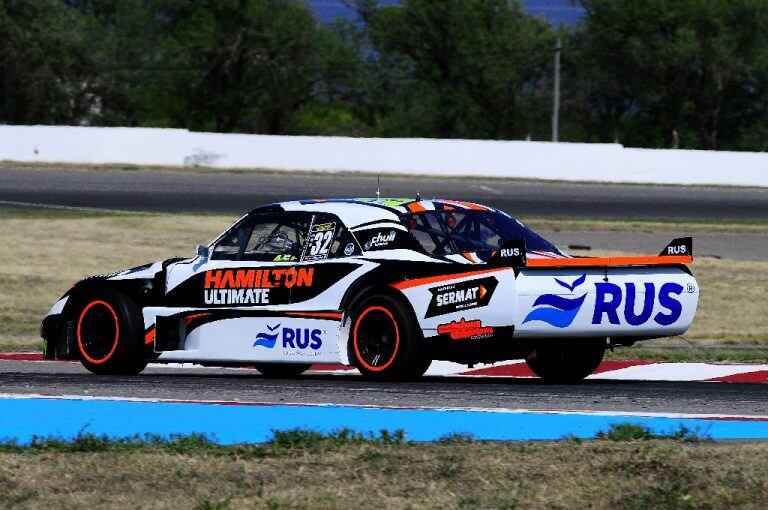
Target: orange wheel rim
375,367
90,319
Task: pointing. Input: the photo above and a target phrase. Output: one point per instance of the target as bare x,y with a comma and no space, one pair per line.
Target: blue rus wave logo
267,340
556,310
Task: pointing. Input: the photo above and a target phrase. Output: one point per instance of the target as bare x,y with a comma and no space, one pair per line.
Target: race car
386,285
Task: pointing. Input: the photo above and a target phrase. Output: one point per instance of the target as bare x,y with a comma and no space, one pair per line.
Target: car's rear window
459,231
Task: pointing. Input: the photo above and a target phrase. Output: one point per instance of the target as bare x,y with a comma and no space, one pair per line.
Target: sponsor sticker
319,241
380,240
292,341
510,252
638,305
465,330
349,249
461,296
252,286
556,310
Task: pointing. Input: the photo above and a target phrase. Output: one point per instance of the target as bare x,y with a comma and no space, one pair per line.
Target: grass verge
628,467
47,251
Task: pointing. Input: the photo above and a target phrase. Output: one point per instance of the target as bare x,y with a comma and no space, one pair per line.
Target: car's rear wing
679,251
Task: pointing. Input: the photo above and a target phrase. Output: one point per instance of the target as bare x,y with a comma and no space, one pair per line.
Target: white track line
40,205
677,372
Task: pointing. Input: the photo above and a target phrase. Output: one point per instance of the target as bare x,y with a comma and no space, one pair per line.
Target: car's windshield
449,232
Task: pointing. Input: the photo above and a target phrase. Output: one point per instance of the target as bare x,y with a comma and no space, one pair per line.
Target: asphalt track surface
236,192
49,378
239,192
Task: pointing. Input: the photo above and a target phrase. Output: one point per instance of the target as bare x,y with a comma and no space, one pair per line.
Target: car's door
222,307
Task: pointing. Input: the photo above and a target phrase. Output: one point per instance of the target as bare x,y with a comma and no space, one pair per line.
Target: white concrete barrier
515,159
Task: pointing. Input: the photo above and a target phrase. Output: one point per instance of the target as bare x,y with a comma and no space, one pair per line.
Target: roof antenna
378,186
418,196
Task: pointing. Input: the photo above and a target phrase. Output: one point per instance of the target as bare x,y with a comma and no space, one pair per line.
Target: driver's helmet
280,241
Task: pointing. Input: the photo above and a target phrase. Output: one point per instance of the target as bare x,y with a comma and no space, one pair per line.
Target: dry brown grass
593,474
44,253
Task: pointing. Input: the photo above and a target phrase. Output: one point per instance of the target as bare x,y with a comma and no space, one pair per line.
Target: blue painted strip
22,418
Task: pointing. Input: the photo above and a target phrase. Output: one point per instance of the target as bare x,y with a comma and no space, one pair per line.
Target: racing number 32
321,242
320,239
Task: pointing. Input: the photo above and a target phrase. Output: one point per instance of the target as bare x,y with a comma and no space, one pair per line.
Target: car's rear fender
481,295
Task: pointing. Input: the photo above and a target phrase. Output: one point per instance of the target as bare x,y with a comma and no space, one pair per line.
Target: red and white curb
608,370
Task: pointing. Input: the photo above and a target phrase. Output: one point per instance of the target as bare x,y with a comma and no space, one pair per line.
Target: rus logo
609,296
557,310
560,311
677,250
292,338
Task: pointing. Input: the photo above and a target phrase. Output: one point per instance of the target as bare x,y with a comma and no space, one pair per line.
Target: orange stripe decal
611,261
407,284
415,207
149,337
190,318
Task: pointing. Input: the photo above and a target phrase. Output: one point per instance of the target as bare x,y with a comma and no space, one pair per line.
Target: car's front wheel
109,334
566,362
385,342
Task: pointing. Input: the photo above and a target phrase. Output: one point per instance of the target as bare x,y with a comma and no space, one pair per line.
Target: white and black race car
386,285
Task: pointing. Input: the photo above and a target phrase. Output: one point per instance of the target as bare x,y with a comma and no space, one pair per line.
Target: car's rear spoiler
513,253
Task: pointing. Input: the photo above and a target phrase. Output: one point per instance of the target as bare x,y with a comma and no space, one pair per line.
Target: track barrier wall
474,158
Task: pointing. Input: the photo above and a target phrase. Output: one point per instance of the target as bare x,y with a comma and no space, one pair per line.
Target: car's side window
277,237
228,247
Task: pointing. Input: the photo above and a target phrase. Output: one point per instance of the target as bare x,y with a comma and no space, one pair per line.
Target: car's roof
358,211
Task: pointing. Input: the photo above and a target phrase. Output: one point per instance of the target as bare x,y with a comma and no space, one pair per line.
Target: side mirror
204,251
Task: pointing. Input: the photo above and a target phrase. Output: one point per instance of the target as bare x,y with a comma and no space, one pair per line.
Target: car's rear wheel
385,341
560,362
282,370
109,334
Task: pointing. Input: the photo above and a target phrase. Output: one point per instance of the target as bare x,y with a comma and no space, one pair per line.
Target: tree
670,73
461,68
44,63
245,65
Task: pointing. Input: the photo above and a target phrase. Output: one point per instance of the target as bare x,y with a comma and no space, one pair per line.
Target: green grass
281,441
294,440
634,432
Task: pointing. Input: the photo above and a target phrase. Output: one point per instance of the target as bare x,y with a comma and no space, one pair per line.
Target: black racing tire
559,362
109,333
385,341
282,370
